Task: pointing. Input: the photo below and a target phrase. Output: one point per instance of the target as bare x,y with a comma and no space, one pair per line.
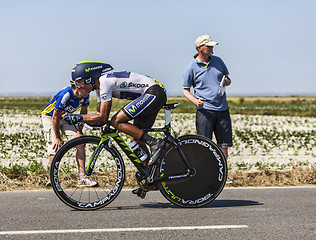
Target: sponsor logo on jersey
139,105
138,85
103,97
123,85
71,109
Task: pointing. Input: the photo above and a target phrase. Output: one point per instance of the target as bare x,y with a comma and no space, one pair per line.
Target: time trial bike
190,172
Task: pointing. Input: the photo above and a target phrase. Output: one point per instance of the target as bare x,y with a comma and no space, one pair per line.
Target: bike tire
109,173
211,172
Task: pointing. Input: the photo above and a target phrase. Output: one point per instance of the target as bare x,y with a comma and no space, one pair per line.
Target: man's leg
223,131
205,123
225,151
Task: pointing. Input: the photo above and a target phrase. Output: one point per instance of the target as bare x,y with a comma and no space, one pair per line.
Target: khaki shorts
68,130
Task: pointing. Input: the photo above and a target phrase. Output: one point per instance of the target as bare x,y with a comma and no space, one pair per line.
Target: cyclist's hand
73,118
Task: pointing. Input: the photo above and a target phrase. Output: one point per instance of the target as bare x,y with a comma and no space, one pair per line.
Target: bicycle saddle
171,105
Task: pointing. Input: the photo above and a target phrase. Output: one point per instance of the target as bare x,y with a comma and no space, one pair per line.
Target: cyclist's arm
84,110
97,92
98,106
191,98
56,123
101,116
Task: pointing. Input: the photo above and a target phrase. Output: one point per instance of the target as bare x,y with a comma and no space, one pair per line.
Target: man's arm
191,98
227,81
102,116
56,128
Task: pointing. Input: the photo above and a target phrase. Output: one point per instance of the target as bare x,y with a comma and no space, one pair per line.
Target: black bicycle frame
108,133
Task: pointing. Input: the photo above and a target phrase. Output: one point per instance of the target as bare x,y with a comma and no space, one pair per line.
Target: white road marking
121,229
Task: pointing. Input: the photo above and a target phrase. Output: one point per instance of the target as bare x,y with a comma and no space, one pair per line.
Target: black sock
149,140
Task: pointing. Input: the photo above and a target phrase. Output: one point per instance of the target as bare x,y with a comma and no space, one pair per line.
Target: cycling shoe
140,192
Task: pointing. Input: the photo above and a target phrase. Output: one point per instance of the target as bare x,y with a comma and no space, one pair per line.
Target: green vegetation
282,106
283,147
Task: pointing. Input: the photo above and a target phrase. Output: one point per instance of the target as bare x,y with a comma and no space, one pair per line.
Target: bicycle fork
96,151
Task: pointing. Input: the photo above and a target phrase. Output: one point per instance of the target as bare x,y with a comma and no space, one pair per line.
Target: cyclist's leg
146,108
120,122
144,111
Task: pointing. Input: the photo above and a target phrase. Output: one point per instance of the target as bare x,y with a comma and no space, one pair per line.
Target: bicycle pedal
140,193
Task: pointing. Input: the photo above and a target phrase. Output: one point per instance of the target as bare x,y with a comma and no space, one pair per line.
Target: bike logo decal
112,193
125,148
209,146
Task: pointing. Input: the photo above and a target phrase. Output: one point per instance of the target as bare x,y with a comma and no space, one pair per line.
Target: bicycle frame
109,133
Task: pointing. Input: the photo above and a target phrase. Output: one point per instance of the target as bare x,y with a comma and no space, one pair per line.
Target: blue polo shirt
205,80
65,101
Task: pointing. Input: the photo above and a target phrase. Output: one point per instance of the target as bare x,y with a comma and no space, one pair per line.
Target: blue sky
268,46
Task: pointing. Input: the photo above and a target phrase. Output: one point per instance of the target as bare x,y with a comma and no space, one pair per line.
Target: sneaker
228,181
86,182
156,150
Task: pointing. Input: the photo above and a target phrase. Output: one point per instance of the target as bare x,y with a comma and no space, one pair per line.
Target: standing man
207,74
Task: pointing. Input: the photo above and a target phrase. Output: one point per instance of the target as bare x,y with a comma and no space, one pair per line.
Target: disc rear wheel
208,181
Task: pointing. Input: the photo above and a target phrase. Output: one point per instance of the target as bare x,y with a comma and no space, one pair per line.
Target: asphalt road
238,213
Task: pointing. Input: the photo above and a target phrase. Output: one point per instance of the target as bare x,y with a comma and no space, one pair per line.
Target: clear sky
269,46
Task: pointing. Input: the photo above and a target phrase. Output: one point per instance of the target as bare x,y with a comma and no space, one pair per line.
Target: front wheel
71,161
210,177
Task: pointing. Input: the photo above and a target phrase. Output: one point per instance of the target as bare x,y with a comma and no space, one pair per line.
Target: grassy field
282,106
274,140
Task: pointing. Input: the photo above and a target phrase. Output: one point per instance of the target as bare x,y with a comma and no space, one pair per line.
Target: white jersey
123,85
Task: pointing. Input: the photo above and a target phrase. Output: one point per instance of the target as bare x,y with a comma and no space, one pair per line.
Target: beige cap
205,40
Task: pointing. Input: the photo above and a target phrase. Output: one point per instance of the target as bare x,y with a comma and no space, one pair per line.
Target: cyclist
147,96
67,100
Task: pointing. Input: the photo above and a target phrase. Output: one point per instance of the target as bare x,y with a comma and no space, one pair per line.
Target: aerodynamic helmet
89,71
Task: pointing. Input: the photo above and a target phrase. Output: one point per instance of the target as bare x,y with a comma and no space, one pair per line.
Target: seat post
167,116
167,107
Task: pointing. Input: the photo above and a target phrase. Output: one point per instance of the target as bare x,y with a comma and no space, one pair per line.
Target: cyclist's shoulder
122,74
